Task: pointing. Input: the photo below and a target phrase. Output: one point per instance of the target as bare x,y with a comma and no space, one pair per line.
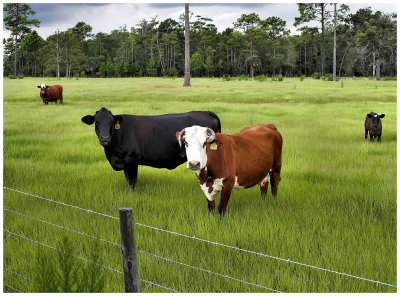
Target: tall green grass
336,204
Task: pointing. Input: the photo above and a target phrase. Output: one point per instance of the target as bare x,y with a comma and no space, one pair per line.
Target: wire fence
140,251
176,234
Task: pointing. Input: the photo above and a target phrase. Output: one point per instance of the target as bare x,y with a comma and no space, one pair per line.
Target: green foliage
251,46
316,75
260,78
243,77
302,77
63,272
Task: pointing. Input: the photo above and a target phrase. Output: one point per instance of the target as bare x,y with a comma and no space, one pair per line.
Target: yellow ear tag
213,146
117,125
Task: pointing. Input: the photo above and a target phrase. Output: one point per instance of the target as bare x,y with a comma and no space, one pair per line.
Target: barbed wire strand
216,243
142,252
17,274
62,227
5,285
157,285
61,251
61,203
210,272
84,259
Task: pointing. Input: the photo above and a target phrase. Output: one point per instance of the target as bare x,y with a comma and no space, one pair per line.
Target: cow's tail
217,118
61,94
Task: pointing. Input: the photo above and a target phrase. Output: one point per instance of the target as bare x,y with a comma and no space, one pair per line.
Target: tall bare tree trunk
323,60
186,81
15,58
305,59
334,42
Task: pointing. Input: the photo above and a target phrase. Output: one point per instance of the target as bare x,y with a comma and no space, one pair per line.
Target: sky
105,17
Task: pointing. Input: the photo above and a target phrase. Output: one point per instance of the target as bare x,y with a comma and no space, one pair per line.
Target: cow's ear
38,86
88,119
369,115
382,115
117,118
210,135
180,136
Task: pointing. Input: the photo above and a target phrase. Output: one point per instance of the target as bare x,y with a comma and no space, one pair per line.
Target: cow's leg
211,206
131,175
366,133
275,178
264,187
225,195
379,138
371,137
61,99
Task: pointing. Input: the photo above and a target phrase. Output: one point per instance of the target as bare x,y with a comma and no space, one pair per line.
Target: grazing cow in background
373,125
242,160
131,140
52,93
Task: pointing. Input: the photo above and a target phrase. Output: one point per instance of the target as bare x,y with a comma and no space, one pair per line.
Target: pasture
335,209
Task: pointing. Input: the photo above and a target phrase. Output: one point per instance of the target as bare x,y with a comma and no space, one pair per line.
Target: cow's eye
186,144
205,144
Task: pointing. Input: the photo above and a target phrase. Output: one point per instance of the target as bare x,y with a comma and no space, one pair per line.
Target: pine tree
18,23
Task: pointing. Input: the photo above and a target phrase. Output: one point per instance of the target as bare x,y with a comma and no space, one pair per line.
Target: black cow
373,125
131,140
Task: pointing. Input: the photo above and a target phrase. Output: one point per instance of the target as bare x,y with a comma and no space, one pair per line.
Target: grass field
336,204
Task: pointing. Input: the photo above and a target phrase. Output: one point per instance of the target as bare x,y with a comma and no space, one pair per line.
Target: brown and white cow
52,93
242,160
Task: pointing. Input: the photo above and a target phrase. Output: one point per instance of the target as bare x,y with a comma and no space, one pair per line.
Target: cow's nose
194,165
104,140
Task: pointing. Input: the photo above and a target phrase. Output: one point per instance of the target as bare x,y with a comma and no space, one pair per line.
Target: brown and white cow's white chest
211,187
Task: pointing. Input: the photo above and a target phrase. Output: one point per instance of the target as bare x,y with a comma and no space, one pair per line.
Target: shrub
280,77
302,77
172,72
226,77
316,75
83,73
20,76
388,78
61,272
260,78
244,77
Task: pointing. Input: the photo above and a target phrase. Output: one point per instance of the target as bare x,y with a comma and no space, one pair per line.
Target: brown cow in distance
242,160
52,93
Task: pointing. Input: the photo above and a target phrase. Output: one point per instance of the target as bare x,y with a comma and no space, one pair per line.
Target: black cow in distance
373,126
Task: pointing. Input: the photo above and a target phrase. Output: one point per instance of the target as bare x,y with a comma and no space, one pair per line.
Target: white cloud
106,17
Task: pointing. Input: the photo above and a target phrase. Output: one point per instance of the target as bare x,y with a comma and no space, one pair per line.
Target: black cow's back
151,141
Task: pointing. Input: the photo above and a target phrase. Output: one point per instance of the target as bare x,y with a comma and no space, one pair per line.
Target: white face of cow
195,139
42,88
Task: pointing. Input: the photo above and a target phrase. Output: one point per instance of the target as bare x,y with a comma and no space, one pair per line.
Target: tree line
363,42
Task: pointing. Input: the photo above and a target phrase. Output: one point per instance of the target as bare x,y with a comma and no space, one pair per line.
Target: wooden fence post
128,243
